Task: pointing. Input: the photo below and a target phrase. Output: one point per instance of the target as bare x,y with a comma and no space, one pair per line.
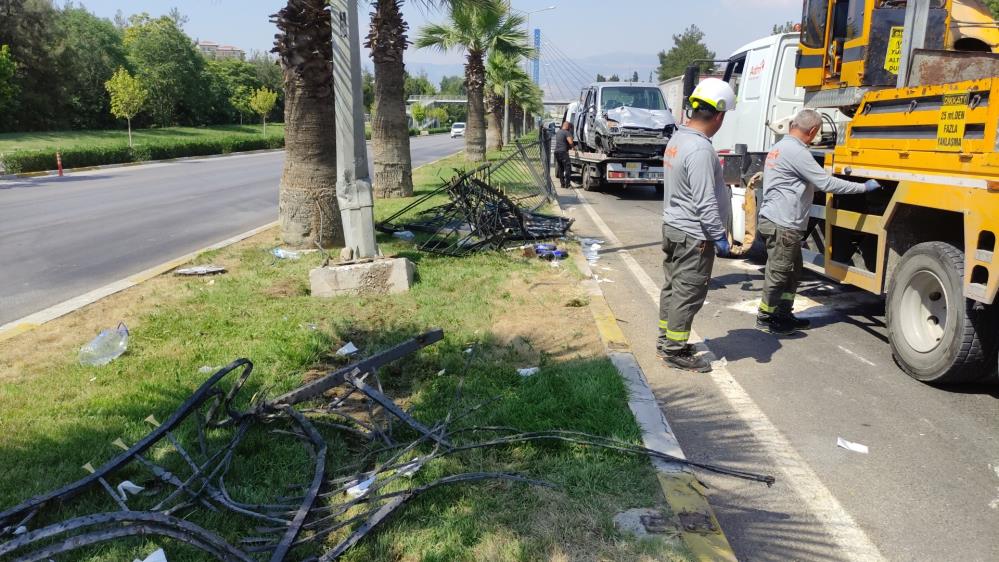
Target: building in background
213,50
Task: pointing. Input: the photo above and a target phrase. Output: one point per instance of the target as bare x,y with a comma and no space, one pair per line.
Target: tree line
58,60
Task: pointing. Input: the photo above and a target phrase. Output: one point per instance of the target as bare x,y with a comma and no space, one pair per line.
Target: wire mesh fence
488,207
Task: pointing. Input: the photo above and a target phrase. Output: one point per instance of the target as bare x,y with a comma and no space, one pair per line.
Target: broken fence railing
185,466
486,208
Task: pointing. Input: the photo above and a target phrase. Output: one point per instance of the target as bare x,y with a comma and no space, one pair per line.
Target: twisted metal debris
183,483
486,208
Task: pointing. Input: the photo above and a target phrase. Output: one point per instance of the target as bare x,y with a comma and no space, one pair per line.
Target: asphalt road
62,237
927,490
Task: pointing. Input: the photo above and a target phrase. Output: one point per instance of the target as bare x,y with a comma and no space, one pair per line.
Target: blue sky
603,36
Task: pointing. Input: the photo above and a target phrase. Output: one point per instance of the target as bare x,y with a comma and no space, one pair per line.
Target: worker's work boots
784,313
774,324
683,359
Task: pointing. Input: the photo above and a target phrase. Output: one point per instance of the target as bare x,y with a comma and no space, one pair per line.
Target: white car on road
457,130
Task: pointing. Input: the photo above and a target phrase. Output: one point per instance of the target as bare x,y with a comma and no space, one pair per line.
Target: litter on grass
528,372
157,556
361,488
106,347
282,254
348,349
128,487
851,446
410,469
404,235
201,270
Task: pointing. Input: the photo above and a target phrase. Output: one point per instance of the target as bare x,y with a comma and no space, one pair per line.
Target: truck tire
591,178
936,334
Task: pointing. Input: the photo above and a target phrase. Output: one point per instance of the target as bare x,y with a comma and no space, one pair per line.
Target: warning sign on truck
894,55
950,129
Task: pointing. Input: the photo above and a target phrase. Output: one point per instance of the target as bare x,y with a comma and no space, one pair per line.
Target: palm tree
504,75
477,30
393,165
307,206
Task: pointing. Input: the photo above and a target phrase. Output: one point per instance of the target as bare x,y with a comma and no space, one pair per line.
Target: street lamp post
353,186
528,15
527,65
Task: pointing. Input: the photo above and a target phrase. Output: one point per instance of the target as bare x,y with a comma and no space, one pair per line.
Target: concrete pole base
384,276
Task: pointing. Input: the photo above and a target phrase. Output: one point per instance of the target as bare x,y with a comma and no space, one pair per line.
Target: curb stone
684,493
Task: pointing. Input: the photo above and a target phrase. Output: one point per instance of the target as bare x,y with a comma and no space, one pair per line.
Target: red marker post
59,163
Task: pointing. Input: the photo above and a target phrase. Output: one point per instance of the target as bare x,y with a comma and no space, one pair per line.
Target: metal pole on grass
353,186
506,114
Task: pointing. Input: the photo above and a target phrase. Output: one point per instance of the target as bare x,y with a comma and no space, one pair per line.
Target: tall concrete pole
506,114
353,186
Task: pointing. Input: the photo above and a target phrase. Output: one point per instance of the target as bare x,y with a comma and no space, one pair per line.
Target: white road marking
801,305
822,504
994,504
856,356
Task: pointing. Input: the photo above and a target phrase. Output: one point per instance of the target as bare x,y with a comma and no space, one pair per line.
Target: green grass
71,139
58,415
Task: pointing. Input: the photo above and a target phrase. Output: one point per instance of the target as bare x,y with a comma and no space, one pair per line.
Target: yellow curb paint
685,495
17,330
682,491
610,331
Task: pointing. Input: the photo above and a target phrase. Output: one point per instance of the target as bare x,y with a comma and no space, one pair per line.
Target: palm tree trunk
494,121
475,129
307,205
393,165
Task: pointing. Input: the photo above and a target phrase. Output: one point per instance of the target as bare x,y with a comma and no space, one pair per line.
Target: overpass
430,101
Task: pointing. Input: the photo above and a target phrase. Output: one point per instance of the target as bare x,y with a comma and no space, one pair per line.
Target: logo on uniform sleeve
772,158
669,155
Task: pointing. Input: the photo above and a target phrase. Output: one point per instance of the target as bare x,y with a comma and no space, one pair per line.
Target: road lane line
856,356
806,484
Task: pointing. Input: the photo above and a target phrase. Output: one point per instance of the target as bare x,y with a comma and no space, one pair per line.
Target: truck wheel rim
924,312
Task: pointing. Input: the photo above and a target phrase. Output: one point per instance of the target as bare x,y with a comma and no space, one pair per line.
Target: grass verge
511,311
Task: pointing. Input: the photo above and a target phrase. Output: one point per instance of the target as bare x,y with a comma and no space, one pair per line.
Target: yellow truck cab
916,87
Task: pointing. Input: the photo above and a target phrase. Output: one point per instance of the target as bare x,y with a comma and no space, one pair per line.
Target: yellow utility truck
911,91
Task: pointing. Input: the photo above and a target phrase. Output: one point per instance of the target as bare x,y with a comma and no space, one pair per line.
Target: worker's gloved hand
722,247
872,185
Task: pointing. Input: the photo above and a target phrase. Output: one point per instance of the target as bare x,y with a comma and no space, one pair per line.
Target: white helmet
714,92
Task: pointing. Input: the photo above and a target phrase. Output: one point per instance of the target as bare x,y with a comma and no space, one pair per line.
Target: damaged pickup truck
623,119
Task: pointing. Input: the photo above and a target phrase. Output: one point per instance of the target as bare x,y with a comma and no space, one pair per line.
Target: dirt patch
537,323
287,288
44,349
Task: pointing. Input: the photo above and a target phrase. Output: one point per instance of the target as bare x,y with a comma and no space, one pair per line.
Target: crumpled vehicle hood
641,118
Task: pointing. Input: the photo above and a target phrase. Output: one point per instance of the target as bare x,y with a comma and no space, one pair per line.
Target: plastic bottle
282,254
106,347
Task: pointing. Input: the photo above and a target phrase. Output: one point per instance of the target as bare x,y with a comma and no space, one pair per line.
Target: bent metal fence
486,208
187,481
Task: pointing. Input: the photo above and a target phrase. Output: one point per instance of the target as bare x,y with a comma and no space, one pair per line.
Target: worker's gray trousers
687,266
784,267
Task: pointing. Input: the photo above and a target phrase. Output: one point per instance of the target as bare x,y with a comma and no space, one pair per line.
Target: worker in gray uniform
696,209
563,144
790,178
